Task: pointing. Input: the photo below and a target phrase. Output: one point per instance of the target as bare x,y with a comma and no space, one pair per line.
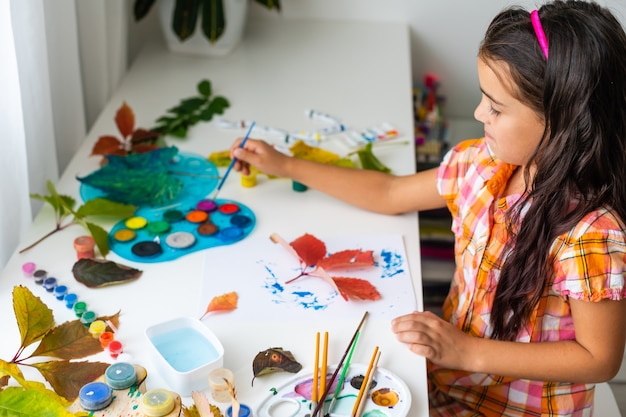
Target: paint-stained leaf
310,249
34,318
125,120
347,259
357,288
96,273
224,302
69,340
66,378
274,360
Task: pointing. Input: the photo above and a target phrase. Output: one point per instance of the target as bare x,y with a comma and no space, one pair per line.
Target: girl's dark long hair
580,91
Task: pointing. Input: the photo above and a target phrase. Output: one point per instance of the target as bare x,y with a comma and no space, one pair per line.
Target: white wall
444,34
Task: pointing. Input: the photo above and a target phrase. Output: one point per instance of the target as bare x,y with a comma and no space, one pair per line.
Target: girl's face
512,129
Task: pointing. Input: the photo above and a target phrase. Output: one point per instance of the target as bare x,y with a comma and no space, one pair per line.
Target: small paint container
298,186
95,396
60,291
40,275
120,375
197,216
207,229
157,402
206,205
159,227
84,246
244,411
79,308
172,216
87,318
70,299
49,284
218,385
124,235
136,223
180,240
28,269
248,181
115,348
240,220
146,249
229,234
105,339
228,208
97,327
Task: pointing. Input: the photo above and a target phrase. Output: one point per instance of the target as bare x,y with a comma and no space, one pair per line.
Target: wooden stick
320,404
367,383
324,364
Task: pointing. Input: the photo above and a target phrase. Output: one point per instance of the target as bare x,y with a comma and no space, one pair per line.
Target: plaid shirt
590,262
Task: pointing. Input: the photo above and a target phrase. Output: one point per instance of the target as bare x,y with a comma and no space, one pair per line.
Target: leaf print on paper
314,261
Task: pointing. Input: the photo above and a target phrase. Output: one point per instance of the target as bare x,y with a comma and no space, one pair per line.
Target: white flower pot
235,15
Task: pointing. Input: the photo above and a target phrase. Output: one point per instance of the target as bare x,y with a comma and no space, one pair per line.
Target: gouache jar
218,385
95,396
28,269
60,291
120,375
157,402
70,300
244,411
79,308
97,327
84,246
49,284
87,318
39,276
105,338
115,348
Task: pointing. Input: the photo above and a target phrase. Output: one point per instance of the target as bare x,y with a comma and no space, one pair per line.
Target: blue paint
392,264
185,349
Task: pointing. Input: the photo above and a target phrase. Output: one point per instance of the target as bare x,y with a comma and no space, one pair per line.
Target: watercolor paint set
388,395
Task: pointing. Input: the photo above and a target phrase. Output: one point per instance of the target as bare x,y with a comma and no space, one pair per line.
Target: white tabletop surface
359,72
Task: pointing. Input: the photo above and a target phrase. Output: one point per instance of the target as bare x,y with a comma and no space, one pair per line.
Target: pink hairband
541,36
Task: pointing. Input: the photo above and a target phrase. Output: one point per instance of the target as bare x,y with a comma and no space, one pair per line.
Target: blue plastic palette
190,223
157,235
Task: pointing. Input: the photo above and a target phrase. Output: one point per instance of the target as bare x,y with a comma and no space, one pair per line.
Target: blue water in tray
185,349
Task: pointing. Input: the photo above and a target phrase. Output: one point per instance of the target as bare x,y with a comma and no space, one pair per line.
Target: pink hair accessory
541,36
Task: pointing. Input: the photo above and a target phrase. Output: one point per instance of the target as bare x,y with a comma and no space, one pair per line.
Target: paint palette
388,396
163,234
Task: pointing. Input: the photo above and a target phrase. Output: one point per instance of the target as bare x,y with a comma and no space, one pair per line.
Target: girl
536,312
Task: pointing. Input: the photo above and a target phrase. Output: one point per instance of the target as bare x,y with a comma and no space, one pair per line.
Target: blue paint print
392,264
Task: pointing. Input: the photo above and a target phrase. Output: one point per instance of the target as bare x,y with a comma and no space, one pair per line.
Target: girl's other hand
434,338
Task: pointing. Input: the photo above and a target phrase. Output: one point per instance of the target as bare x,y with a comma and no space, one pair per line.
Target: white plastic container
184,352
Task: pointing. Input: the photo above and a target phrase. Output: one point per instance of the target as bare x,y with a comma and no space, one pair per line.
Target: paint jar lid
95,396
157,402
197,216
146,249
229,208
28,269
120,375
173,215
60,291
159,227
298,186
84,243
244,411
231,233
136,222
180,240
206,205
207,229
50,283
124,235
240,220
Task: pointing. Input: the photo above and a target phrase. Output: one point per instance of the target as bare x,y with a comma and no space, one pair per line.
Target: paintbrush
359,405
346,366
232,163
321,399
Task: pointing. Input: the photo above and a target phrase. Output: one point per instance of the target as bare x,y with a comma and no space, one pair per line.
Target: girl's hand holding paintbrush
262,156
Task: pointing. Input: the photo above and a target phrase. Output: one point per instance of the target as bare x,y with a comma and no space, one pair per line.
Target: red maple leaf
347,259
356,288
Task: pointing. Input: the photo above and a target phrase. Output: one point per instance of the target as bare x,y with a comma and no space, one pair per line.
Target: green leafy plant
200,108
66,215
187,13
64,343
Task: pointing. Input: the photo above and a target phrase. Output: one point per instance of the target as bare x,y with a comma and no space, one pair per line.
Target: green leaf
185,18
70,340
21,402
100,236
34,318
370,161
67,378
204,88
141,8
270,4
213,21
95,273
105,207
192,104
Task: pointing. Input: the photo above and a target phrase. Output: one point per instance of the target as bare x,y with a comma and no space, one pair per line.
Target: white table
359,72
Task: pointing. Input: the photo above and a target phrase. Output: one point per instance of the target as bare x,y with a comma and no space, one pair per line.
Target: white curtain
60,62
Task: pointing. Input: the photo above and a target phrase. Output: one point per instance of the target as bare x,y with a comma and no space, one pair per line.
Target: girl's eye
493,111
